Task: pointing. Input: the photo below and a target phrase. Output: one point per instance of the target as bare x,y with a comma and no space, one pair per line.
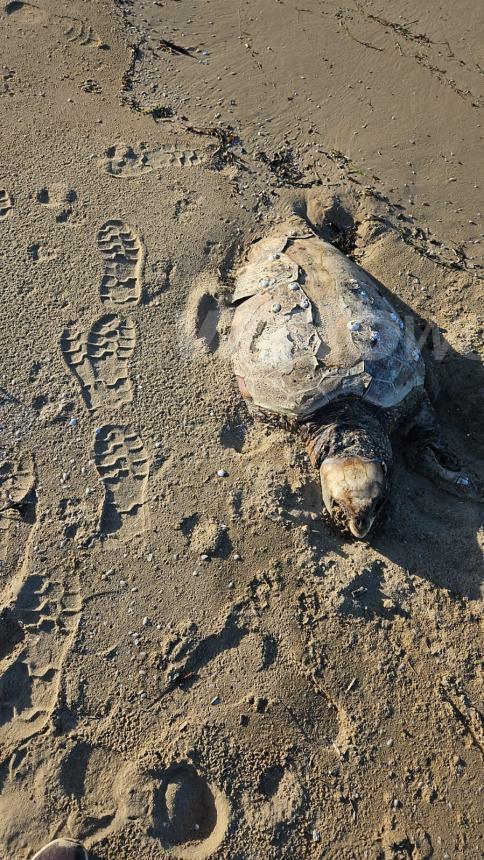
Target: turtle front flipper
428,452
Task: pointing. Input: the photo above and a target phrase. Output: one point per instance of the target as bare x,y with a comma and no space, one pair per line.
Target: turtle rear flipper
429,454
454,480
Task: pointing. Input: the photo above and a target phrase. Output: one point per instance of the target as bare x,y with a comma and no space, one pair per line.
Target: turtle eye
337,510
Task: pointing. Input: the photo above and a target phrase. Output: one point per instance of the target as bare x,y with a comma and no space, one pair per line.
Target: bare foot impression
123,465
123,254
99,361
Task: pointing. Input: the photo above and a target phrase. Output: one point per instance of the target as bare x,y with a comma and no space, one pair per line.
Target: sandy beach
193,663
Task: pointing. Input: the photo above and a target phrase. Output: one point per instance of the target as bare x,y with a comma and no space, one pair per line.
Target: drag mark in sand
99,361
123,466
123,253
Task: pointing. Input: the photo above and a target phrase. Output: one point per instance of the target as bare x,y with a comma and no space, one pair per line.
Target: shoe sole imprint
123,466
48,610
123,254
100,361
124,162
6,203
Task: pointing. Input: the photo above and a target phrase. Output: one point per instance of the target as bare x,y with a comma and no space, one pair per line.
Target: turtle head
354,491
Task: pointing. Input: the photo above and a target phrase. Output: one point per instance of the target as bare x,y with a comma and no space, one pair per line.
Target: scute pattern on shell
294,351
266,262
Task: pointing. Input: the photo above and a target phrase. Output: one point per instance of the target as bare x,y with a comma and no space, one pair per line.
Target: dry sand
293,694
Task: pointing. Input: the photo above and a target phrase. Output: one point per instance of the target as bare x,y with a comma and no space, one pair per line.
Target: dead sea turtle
315,340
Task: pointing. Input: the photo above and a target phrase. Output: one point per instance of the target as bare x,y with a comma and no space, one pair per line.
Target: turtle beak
360,525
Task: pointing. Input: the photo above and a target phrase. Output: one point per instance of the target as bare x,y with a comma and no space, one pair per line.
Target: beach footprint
104,791
81,33
17,505
6,203
280,798
123,466
71,29
189,817
123,254
47,609
206,318
127,162
99,361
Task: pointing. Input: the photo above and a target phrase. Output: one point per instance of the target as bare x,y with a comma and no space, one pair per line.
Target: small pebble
276,307
222,473
73,422
215,700
146,621
304,303
264,282
354,325
294,286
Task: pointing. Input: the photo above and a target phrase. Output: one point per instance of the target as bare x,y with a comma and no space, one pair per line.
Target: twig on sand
172,48
359,41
